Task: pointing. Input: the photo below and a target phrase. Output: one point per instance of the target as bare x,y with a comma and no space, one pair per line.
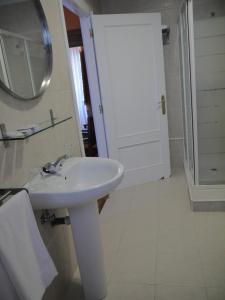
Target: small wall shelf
42,127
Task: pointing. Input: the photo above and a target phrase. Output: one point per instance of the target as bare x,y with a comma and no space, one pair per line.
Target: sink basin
80,180
78,185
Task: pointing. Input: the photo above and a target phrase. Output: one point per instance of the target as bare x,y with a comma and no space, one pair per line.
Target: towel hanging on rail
22,251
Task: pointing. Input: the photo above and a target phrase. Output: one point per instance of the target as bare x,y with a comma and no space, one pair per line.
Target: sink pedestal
86,233
77,186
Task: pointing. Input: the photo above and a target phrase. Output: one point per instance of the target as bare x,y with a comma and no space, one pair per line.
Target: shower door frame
187,6
190,19
202,197
188,164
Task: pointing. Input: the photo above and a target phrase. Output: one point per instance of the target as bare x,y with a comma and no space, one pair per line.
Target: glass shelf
42,127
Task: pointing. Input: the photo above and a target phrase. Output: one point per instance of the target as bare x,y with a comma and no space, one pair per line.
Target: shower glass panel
16,59
209,41
186,89
1,68
38,62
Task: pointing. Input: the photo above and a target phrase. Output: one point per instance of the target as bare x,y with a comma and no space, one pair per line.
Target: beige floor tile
211,241
177,240
177,181
173,187
140,230
213,268
112,229
147,208
210,228
117,205
149,199
130,292
176,233
173,196
180,293
179,269
174,199
175,202
134,265
151,236
215,293
213,220
174,217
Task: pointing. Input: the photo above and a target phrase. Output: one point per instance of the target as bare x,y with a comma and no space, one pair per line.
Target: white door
129,54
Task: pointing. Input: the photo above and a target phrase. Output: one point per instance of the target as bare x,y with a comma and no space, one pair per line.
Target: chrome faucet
54,167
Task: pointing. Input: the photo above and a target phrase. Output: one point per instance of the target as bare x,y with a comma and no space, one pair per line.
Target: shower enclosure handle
163,104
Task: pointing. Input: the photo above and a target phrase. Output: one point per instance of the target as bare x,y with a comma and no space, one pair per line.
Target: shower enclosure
27,57
202,66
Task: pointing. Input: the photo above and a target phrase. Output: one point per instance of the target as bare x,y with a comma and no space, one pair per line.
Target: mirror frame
46,37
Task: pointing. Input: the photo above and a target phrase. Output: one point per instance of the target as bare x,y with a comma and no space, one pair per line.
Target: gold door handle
163,104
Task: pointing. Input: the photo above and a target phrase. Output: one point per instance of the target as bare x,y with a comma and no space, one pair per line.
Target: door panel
135,156
131,72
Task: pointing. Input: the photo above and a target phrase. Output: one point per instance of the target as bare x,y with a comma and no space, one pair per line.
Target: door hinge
100,108
91,32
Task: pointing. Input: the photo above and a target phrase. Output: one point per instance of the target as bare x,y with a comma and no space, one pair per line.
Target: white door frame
92,74
94,88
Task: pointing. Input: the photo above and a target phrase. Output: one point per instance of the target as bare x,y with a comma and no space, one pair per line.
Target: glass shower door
209,41
186,90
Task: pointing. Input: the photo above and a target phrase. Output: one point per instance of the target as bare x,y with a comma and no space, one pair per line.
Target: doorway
79,70
81,84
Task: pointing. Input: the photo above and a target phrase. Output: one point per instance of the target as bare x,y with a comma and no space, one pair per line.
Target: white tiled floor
157,248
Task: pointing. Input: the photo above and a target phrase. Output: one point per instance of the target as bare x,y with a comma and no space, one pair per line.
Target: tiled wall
204,8
17,160
169,10
210,75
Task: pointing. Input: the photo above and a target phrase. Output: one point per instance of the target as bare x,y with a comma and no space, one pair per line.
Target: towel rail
6,192
46,217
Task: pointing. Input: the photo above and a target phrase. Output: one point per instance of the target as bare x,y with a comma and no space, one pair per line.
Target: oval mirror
25,48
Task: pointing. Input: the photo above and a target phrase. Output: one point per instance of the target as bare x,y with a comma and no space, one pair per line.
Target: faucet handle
49,168
54,167
59,162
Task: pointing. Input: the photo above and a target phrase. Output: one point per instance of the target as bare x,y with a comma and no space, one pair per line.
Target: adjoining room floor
157,248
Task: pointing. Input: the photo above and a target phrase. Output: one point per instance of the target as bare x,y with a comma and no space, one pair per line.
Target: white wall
21,157
169,10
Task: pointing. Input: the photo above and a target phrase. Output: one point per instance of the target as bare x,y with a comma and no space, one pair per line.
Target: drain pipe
47,218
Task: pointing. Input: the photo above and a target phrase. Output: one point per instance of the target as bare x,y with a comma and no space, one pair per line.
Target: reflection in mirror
25,48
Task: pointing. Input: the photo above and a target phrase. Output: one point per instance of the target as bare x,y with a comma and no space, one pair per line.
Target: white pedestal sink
77,187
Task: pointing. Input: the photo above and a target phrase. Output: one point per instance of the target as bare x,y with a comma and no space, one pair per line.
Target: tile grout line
119,245
157,243
202,268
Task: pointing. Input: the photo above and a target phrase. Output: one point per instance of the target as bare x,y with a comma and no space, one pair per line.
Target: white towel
22,251
7,289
